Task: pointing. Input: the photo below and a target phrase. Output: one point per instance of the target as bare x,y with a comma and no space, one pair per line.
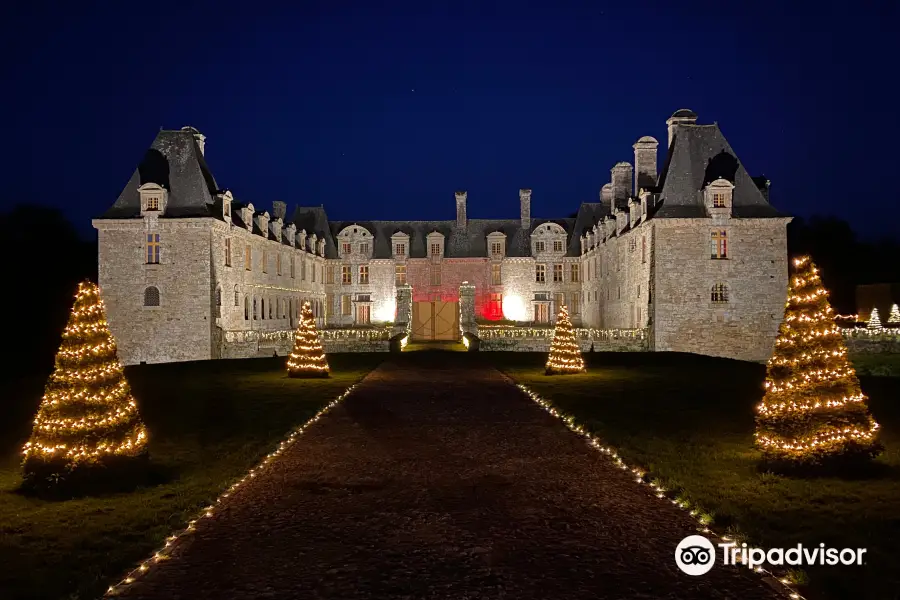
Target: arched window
237,299
151,296
262,306
254,308
270,308
246,308
719,293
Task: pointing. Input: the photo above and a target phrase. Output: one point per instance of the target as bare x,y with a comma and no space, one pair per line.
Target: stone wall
861,341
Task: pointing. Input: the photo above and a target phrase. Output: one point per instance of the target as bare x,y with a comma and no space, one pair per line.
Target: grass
689,420
209,423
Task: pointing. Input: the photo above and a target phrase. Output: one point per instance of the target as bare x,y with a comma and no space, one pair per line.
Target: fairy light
307,359
165,553
565,354
87,412
487,332
894,316
641,477
813,406
874,321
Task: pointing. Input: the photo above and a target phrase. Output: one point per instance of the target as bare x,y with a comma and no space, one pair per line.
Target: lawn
689,421
209,423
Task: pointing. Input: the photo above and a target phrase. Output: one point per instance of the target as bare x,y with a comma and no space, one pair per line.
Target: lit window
539,246
345,304
540,273
435,249
153,248
346,276
436,275
227,252
364,274
248,258
719,293
557,246
400,275
400,249
153,203
496,274
346,248
151,296
718,244
557,273
718,200
496,248
576,273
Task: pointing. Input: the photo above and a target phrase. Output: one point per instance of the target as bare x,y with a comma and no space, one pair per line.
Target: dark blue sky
381,113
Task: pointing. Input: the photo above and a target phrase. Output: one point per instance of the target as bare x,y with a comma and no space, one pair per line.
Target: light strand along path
437,478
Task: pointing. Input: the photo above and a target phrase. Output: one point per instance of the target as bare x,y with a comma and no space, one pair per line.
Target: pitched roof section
699,155
314,220
175,162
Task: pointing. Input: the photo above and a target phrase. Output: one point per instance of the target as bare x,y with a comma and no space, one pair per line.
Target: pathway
437,479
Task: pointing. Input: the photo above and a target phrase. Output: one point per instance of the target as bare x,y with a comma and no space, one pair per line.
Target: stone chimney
680,117
525,203
198,137
461,209
621,183
606,196
279,210
645,164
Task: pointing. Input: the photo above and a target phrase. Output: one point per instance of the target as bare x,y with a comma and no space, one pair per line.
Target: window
262,308
539,246
575,274
363,314
496,274
278,264
542,313
302,269
329,305
400,249
246,308
588,270
435,249
293,267
312,272
719,293
400,275
345,304
151,296
644,249
557,246
153,203
248,258
227,207
364,274
277,309
218,302
364,248
632,245
265,261
718,244
270,308
540,273
575,303
254,308
237,297
718,200
346,277
435,275
152,248
346,248
560,299
329,274
227,252
496,248
557,273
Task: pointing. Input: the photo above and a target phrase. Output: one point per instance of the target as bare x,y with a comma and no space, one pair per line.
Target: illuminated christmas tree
565,354
87,422
894,316
307,359
813,410
874,320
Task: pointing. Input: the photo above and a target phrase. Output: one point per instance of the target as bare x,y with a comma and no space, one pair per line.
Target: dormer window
719,195
153,198
400,245
496,244
153,203
435,244
719,200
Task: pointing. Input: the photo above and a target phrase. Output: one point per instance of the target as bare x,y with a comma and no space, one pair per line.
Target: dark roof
175,162
314,220
699,155
684,112
589,214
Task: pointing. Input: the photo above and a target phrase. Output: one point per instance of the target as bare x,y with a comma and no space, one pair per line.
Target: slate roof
699,155
175,162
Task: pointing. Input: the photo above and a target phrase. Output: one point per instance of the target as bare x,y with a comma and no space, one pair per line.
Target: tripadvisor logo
696,555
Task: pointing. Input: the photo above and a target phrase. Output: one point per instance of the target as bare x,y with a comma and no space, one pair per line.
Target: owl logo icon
695,555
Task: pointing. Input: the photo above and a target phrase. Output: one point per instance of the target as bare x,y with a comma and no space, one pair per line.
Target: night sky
382,113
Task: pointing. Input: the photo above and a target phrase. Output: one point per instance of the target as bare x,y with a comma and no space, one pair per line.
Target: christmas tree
894,316
813,410
565,355
88,421
307,359
874,320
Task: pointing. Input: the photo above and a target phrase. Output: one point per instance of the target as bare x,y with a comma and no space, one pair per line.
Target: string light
165,553
565,354
487,332
874,321
894,316
641,477
813,407
307,359
87,412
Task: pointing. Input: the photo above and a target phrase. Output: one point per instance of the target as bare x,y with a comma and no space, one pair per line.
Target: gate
435,320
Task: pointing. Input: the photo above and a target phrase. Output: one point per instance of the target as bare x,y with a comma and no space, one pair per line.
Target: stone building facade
694,253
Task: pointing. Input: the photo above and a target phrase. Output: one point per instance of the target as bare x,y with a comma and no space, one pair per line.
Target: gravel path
437,479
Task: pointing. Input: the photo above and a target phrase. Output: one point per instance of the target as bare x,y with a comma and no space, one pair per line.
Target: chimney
198,137
279,210
645,164
606,196
680,117
621,183
461,209
525,202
